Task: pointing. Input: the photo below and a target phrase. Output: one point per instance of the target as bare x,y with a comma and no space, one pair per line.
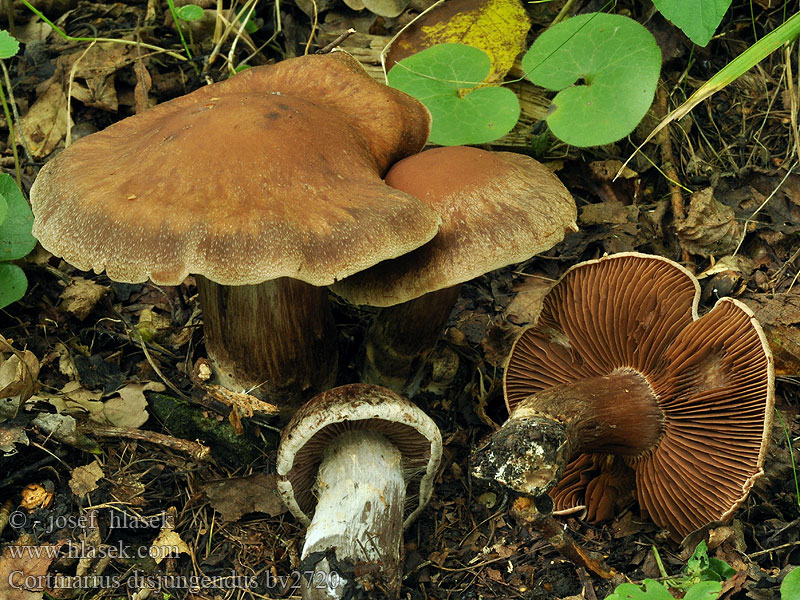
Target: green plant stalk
177,20
785,33
10,122
791,456
70,38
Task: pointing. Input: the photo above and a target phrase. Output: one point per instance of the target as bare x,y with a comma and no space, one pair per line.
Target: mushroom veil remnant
497,208
267,187
620,380
356,466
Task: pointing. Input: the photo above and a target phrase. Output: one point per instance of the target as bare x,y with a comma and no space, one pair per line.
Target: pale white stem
358,520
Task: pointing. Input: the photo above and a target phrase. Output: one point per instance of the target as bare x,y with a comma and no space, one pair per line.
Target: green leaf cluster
605,68
701,580
16,240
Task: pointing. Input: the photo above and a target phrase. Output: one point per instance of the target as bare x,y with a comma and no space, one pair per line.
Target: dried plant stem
667,159
196,450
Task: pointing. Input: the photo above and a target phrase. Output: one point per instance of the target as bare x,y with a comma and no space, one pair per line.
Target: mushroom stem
276,340
354,537
616,413
401,338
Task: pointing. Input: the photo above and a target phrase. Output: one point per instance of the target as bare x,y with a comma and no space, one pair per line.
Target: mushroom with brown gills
620,377
345,462
497,208
266,186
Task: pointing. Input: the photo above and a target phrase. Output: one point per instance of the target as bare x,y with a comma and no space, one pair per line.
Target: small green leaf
705,590
8,45
722,569
189,12
15,231
698,561
13,284
790,588
653,591
446,79
698,19
607,68
251,26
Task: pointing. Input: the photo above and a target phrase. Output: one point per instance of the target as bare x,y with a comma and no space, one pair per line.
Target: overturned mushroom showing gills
619,378
267,186
497,208
345,463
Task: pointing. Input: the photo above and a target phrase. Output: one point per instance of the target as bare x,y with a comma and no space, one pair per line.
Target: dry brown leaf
129,409
25,562
780,318
710,228
18,373
45,123
84,479
81,296
94,73
167,545
527,304
233,498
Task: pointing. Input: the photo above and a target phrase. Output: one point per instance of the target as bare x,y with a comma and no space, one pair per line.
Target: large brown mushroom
620,380
497,208
345,462
266,186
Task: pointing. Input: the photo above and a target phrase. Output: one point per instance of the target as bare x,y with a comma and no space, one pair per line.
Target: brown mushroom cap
354,407
275,172
497,208
712,375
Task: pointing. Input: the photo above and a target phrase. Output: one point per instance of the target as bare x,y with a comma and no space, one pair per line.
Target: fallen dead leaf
28,564
710,227
84,479
498,27
19,371
780,318
527,304
81,296
233,498
129,409
45,123
94,72
168,544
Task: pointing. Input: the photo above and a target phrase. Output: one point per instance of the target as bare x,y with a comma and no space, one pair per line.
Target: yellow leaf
498,27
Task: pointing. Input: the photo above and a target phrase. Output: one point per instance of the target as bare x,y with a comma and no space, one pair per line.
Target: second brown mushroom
497,208
621,385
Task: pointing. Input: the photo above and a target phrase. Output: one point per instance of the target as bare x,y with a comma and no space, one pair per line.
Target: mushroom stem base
612,414
275,340
353,541
401,338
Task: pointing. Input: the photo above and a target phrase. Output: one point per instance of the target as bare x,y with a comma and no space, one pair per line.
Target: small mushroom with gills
345,462
620,381
497,208
267,187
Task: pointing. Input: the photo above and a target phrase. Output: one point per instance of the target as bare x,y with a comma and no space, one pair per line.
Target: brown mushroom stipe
344,463
619,376
271,176
497,208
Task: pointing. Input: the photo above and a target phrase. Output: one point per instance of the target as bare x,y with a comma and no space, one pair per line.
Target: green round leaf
13,284
607,69
704,590
790,588
698,19
445,78
15,231
189,12
8,45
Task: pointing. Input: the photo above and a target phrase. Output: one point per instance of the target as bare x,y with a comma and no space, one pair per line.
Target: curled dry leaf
18,372
710,228
81,296
84,479
29,562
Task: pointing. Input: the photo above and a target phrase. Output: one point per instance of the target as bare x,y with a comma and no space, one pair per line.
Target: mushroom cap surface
712,376
275,172
497,208
357,406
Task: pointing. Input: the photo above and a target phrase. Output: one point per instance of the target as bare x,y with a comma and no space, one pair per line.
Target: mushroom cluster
267,187
620,384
